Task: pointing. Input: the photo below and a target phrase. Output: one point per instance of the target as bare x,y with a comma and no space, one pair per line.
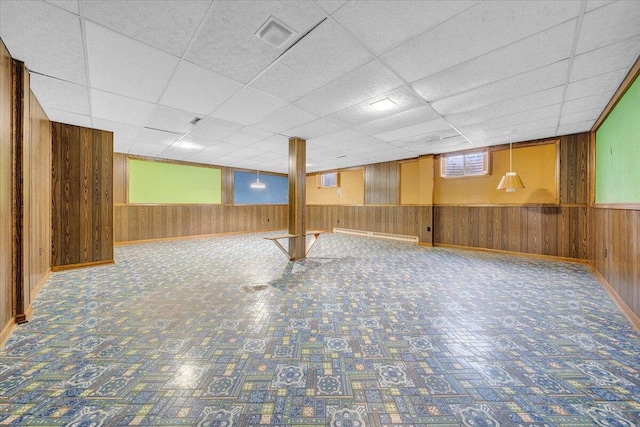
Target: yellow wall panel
410,183
537,166
350,192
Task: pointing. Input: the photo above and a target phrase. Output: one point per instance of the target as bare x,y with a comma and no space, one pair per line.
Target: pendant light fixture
258,185
510,182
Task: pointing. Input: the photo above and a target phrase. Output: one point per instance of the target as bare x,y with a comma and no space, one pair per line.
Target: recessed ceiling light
187,145
383,104
275,32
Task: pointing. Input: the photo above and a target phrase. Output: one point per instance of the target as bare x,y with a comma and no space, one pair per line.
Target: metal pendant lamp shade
510,182
258,185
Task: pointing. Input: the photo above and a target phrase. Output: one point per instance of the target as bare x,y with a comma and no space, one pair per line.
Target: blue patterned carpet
226,332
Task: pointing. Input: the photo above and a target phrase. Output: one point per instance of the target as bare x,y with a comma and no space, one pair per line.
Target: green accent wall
618,151
170,183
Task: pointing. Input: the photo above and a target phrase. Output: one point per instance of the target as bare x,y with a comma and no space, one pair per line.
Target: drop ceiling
452,75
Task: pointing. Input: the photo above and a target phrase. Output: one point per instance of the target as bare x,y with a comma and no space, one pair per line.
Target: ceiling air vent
275,32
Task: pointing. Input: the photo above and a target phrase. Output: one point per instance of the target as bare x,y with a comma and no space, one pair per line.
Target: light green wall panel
169,183
618,151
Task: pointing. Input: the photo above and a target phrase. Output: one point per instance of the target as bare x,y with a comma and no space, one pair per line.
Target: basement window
328,180
461,165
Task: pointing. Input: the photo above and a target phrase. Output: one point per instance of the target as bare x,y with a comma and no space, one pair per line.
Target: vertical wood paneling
381,184
120,165
6,259
38,205
615,251
82,195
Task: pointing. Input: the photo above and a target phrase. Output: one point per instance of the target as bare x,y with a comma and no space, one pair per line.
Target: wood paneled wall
555,231
145,222
148,222
82,195
381,181
25,215
615,251
406,220
37,206
546,230
6,236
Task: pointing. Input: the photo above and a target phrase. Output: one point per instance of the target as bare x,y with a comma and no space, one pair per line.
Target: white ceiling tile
514,121
609,24
363,83
248,106
400,120
582,116
286,118
547,47
314,129
167,25
67,117
118,108
48,39
404,99
594,4
70,5
181,150
226,42
121,145
170,119
340,137
120,130
609,58
124,66
385,25
523,84
247,136
325,54
275,143
575,128
599,101
213,128
413,130
194,88
603,83
330,6
213,152
156,137
146,149
477,31
60,94
511,106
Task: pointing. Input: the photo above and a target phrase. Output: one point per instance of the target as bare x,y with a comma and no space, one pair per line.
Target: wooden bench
275,239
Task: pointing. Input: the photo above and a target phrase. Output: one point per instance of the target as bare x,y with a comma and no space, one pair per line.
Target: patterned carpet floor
226,331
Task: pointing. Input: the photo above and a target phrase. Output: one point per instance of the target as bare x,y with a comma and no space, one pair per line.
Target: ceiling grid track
574,46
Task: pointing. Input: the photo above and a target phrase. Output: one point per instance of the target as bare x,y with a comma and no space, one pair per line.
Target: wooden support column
297,197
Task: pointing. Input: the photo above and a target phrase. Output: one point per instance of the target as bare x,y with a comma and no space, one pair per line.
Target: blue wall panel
276,192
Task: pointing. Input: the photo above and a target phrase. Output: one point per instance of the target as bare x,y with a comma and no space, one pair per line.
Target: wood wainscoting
615,251
151,222
542,230
405,220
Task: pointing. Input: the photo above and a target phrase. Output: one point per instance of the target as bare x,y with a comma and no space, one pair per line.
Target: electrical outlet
268,220
338,221
606,253
428,229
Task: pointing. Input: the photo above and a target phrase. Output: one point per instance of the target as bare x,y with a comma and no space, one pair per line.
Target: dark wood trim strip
82,265
622,89
18,190
618,206
198,236
624,308
518,254
6,332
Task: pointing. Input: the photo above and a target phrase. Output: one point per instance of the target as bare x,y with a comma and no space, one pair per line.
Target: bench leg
284,251
313,241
